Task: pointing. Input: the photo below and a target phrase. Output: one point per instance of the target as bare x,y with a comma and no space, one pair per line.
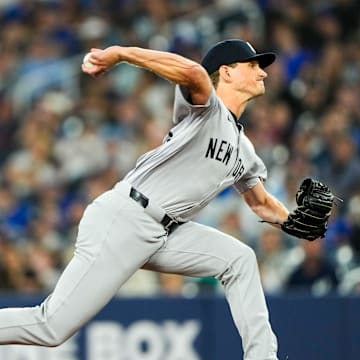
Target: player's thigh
198,250
115,238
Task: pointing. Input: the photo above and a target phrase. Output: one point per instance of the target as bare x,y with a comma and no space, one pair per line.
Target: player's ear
224,72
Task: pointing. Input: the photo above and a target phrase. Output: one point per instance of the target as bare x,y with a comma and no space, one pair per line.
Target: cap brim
264,59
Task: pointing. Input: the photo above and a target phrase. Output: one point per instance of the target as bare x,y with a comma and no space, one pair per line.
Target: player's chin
261,88
261,91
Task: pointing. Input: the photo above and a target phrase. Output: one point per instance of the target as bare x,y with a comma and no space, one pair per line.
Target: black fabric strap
167,221
170,224
139,197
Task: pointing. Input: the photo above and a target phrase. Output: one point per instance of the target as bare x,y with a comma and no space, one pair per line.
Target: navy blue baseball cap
230,51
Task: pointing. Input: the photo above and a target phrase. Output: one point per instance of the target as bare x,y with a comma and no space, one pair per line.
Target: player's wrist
118,54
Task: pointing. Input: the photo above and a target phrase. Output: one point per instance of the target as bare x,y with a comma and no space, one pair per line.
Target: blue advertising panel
201,329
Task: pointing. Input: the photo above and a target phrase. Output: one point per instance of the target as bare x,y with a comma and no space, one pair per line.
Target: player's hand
101,61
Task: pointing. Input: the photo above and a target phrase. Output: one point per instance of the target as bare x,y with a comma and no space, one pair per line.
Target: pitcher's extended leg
115,238
197,250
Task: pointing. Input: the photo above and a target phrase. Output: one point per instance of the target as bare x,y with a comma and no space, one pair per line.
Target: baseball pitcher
145,221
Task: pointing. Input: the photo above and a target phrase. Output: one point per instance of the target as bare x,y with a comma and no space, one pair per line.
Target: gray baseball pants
116,237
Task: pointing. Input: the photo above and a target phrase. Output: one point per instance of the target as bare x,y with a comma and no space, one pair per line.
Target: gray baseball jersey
215,154
117,235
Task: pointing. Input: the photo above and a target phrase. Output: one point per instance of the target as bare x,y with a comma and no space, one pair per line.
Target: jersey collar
236,121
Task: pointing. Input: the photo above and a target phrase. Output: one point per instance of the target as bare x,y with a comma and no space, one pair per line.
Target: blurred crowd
66,137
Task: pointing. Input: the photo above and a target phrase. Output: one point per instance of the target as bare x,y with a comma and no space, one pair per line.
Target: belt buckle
170,224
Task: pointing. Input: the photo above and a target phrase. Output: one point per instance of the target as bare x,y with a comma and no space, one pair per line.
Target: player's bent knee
51,334
245,260
53,343
50,338
242,260
52,330
54,340
249,254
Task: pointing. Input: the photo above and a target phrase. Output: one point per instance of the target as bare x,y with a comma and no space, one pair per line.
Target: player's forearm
272,211
173,67
265,205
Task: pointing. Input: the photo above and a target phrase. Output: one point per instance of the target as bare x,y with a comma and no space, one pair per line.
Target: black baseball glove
314,206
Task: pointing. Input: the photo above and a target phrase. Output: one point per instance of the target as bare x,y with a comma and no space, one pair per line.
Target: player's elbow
198,83
195,75
198,73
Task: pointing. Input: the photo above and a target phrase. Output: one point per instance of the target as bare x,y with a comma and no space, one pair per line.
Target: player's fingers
92,70
95,49
98,58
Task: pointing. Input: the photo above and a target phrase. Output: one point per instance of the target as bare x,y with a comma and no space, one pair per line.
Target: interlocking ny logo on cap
250,46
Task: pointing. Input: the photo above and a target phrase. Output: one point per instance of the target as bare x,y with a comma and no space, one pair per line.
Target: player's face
249,78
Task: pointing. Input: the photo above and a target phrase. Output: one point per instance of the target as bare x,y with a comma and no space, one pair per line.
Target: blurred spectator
230,223
275,260
315,275
172,284
142,283
16,274
8,128
15,214
341,170
42,264
349,256
287,42
31,168
81,153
